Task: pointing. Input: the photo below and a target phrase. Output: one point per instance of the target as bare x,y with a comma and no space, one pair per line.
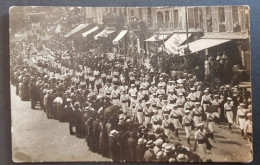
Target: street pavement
38,139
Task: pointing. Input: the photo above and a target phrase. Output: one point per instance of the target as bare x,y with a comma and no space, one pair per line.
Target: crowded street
86,89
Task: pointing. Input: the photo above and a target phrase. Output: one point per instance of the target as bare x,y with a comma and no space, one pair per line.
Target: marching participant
159,106
189,104
92,82
205,100
160,91
154,100
180,102
192,95
153,88
133,105
108,90
216,101
132,91
166,124
145,86
197,114
115,95
228,107
182,89
161,83
172,97
156,119
200,140
176,116
147,113
187,122
241,114
124,99
170,87
124,86
248,130
139,111
141,94
211,124
103,77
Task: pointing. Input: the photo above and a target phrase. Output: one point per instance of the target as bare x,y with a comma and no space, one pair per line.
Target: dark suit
114,149
131,148
140,149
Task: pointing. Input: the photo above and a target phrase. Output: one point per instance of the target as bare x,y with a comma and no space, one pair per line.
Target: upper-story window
176,18
191,18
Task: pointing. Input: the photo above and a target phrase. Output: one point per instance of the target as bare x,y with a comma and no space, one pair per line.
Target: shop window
140,13
242,18
132,12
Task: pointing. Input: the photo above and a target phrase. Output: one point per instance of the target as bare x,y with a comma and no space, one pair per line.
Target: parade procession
136,93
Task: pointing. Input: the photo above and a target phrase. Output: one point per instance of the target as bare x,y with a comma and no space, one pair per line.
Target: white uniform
115,97
124,98
153,90
229,112
156,121
145,86
165,125
147,114
132,107
108,91
132,91
199,135
241,113
139,111
186,122
159,108
205,101
175,118
217,103
154,102
197,115
172,99
211,122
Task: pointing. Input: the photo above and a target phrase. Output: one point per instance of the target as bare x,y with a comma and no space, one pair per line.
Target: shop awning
104,33
76,29
205,43
85,34
120,36
156,37
173,44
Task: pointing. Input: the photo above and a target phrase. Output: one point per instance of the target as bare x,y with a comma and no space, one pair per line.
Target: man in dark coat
131,148
149,155
140,149
114,147
32,89
96,134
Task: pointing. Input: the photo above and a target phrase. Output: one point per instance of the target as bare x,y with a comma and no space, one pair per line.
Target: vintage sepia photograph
130,84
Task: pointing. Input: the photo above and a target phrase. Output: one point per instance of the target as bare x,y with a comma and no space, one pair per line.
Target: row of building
127,30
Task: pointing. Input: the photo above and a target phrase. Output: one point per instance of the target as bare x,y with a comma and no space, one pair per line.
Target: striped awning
85,34
76,29
120,36
104,33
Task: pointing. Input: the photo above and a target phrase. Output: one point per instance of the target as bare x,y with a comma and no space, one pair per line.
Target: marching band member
228,107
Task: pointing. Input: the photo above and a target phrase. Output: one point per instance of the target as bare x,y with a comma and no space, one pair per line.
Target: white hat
200,124
132,85
229,98
187,111
181,158
113,133
158,142
197,103
140,141
147,103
